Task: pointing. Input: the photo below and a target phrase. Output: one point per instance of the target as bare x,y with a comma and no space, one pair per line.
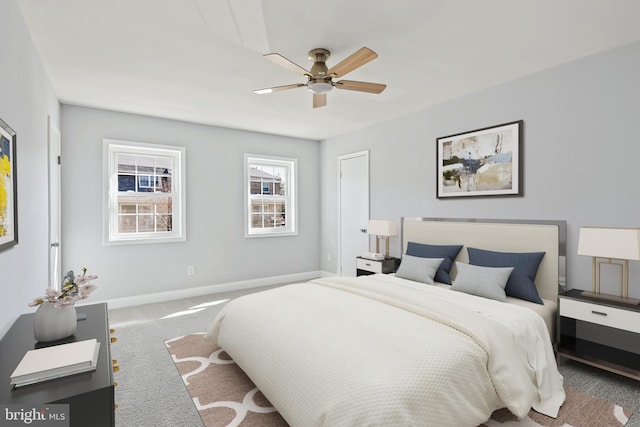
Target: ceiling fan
320,77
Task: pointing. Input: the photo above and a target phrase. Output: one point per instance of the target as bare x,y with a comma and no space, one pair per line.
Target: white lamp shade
619,243
382,227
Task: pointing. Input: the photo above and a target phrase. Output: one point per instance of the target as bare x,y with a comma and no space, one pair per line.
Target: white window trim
292,194
110,181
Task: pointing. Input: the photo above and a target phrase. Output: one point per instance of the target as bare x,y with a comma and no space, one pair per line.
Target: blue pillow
448,253
525,267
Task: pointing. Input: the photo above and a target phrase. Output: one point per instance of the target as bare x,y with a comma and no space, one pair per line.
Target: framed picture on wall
482,162
8,188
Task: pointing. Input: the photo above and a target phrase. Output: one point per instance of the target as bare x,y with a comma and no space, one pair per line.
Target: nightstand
600,333
366,266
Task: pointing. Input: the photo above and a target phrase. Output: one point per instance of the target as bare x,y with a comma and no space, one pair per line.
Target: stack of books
57,361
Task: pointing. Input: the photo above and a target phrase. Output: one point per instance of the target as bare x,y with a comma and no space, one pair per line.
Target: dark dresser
90,395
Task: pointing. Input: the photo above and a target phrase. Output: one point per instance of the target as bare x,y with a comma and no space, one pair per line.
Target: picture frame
481,162
8,188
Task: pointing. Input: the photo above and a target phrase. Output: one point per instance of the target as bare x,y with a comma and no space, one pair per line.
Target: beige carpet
225,396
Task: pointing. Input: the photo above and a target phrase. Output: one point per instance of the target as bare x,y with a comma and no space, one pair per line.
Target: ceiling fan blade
360,86
277,88
358,59
284,62
319,100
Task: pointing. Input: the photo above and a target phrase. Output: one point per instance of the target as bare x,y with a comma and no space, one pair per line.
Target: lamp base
612,298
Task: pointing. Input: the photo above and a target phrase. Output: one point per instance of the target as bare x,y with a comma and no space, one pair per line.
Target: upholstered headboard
498,235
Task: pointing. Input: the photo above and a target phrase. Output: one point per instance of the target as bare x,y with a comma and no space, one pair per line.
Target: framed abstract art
482,162
8,188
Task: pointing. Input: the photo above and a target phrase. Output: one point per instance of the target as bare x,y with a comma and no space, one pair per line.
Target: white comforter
379,350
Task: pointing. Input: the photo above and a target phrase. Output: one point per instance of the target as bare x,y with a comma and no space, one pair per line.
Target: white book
47,363
373,256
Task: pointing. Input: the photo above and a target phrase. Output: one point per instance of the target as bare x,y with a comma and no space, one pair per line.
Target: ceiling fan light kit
320,77
319,87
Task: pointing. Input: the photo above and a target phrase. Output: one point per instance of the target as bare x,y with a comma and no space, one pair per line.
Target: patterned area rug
225,396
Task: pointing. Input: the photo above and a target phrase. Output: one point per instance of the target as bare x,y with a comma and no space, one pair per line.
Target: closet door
353,206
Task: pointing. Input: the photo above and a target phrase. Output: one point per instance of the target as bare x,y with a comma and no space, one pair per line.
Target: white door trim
55,208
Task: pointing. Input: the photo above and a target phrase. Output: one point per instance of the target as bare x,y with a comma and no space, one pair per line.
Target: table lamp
382,229
610,246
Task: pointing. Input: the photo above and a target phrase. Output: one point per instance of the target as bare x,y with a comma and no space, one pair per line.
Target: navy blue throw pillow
448,253
525,267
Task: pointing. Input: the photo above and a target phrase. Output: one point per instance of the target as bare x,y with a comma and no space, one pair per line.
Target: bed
393,350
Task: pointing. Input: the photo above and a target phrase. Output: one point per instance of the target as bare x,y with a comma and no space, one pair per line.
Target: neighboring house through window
270,185
145,192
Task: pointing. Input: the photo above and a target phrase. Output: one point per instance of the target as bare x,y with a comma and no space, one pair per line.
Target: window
145,192
270,186
147,181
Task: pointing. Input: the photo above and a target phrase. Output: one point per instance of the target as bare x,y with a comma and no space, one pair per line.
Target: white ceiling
199,60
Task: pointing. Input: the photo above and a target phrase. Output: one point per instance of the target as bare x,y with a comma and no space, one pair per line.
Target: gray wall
26,99
581,155
215,239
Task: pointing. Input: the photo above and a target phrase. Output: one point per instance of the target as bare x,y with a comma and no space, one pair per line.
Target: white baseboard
207,290
327,274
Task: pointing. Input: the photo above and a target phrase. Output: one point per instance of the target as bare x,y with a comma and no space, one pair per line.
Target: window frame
291,165
111,236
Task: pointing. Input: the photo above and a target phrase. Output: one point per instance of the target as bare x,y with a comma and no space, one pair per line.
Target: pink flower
52,294
85,290
81,280
36,301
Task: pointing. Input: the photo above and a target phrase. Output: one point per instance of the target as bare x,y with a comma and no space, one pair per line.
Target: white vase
52,323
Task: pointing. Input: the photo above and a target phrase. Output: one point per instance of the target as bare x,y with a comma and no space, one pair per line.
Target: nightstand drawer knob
116,368
113,339
600,313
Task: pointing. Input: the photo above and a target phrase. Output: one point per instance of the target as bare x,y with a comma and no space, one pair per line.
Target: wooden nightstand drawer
369,265
600,314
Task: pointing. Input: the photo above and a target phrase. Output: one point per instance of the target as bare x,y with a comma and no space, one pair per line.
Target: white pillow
487,282
418,269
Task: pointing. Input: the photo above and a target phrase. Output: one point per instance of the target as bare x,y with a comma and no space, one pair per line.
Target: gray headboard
498,235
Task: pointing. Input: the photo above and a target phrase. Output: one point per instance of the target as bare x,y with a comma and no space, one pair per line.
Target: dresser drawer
599,314
369,265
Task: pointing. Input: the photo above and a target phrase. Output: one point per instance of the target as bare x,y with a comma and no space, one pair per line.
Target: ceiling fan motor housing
319,58
319,82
